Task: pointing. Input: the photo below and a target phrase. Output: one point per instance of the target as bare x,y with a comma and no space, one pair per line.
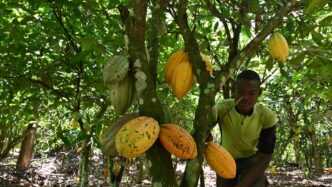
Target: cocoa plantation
165,93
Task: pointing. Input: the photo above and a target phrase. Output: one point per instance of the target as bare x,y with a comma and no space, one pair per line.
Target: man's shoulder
268,116
263,108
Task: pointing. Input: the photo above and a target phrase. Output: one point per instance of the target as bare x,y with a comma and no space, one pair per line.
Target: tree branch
268,76
157,21
252,46
59,93
191,43
58,15
206,97
134,20
214,11
233,48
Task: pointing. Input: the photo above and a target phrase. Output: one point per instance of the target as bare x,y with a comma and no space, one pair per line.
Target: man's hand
259,165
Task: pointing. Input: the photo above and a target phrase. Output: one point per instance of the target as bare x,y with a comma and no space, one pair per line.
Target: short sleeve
269,118
267,140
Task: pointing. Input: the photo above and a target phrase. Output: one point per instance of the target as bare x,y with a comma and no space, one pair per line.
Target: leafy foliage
52,55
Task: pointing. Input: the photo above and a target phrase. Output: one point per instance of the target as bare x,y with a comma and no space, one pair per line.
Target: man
248,132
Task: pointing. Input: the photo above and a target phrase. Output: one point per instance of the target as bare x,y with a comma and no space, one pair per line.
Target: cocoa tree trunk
26,151
203,117
162,170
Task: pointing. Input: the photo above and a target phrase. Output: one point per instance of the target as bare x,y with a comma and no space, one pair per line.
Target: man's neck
245,113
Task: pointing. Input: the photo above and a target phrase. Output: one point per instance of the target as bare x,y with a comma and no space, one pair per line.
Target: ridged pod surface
278,47
175,59
220,160
182,79
122,93
136,136
116,69
178,141
179,73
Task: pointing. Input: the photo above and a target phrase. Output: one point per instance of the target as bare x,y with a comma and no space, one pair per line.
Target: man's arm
261,162
262,158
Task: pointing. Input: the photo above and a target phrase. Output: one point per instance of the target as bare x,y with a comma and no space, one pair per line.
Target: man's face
246,94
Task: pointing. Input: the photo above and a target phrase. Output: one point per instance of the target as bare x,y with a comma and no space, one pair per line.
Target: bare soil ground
60,170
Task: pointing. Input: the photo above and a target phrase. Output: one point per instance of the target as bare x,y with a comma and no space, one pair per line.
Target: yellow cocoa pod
278,47
136,136
175,59
178,141
179,73
107,137
182,79
220,160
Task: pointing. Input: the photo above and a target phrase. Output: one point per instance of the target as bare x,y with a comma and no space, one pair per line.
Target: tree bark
27,145
149,103
84,163
203,119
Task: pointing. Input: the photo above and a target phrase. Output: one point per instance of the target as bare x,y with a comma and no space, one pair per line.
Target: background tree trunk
26,151
84,163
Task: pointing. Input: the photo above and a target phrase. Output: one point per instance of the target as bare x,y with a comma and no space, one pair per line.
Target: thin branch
214,11
58,15
269,75
100,113
233,49
56,92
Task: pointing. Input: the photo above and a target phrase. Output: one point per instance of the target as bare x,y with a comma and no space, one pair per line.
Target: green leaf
82,136
314,5
269,64
247,31
325,72
327,94
88,43
327,21
317,37
79,58
297,60
253,5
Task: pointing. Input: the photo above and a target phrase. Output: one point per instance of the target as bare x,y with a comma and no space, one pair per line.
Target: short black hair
249,75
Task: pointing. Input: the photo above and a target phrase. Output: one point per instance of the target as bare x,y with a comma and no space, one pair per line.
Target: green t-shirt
240,134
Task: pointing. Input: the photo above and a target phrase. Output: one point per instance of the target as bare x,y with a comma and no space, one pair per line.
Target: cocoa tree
53,53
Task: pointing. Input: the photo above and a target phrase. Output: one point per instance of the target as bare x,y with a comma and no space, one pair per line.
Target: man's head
247,90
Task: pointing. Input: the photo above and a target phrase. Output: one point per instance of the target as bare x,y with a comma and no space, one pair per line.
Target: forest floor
54,170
